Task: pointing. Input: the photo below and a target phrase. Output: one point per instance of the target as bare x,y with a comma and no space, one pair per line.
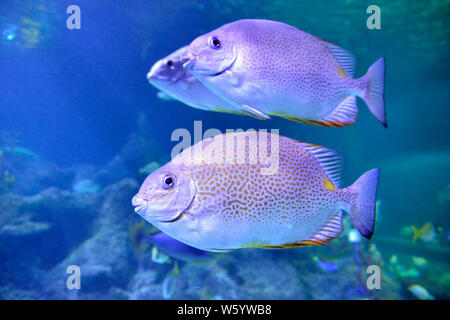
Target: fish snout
150,75
139,203
155,71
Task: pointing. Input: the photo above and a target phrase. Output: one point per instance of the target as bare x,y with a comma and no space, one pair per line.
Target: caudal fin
362,212
415,233
374,94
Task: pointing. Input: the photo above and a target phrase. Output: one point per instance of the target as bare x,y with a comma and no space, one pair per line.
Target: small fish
86,186
326,266
149,168
169,76
404,272
427,233
211,204
159,257
420,292
20,152
419,262
393,259
269,68
177,249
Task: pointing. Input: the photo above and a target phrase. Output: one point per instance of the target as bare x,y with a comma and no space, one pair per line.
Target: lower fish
219,195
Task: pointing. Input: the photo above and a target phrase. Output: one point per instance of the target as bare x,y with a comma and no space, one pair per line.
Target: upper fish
268,68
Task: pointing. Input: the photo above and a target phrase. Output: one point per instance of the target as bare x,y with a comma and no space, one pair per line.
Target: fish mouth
139,204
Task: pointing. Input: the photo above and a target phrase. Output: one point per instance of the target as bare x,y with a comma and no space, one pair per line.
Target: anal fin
328,231
344,114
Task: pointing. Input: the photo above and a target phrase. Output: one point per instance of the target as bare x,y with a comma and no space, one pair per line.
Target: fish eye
214,43
168,181
170,64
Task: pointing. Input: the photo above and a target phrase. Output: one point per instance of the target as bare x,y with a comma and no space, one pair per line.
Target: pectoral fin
255,113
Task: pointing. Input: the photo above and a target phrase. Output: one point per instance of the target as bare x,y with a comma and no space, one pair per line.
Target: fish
268,68
404,272
176,249
393,259
159,257
149,168
426,233
419,262
420,292
169,76
216,195
326,266
86,186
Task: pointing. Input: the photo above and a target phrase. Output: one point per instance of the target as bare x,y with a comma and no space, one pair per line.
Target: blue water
78,120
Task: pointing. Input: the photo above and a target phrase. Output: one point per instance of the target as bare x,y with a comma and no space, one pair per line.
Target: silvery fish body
270,68
243,189
169,76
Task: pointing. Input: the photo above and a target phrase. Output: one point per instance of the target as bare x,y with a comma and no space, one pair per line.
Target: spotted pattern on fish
254,189
281,70
295,194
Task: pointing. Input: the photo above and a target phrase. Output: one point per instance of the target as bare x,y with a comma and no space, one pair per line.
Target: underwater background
81,128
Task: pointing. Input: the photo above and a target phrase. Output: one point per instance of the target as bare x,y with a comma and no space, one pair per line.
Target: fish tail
373,95
416,234
362,211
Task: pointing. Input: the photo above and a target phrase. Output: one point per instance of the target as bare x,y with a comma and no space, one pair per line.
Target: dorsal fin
331,161
345,59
